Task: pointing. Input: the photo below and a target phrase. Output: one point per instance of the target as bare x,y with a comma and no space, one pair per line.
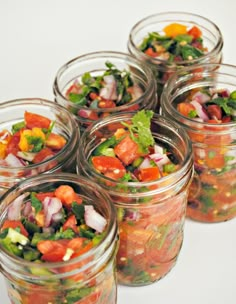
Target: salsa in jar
95,85
37,136
170,41
203,101
56,235
213,190
30,141
142,171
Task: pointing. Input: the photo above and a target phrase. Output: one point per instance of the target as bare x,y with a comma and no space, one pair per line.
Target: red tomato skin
41,196
109,166
71,222
127,150
150,52
214,112
43,155
15,224
35,120
12,146
195,32
149,174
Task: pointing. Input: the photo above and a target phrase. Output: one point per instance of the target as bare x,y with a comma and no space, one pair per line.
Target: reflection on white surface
37,37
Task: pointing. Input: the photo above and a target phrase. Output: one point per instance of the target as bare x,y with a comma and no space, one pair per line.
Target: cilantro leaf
64,234
141,123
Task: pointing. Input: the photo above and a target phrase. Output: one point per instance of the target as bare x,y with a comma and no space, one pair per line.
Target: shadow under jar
150,214
36,136
94,85
204,104
56,264
169,41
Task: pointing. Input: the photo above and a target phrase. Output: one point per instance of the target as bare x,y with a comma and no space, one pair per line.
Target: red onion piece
93,219
200,111
84,113
137,92
27,209
109,89
12,161
51,206
132,215
14,211
145,163
201,97
26,155
160,159
158,149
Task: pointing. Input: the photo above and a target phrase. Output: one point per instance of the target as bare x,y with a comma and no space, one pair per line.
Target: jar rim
186,162
147,72
35,101
98,250
131,44
177,78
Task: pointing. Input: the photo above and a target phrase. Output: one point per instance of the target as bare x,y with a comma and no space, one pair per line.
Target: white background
37,37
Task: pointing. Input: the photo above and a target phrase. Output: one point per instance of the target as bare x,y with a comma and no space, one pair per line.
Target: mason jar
71,74
162,65
11,113
150,214
87,278
212,195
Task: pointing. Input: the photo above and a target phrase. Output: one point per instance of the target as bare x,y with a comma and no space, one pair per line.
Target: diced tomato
214,112
41,195
195,32
150,52
93,116
35,120
39,296
105,104
12,146
94,96
53,251
80,246
149,174
74,88
109,166
214,161
127,150
54,256
226,119
42,155
67,195
185,108
55,141
134,107
15,224
71,222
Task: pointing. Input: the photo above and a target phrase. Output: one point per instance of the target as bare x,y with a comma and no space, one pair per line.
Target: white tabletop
37,37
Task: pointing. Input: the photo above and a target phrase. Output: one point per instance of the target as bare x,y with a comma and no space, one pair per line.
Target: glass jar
162,68
88,278
150,214
212,194
95,64
12,112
